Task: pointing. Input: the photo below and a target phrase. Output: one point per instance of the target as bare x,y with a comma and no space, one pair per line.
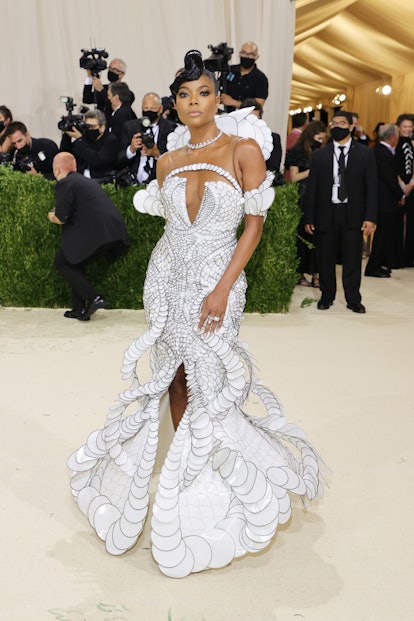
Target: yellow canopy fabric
354,47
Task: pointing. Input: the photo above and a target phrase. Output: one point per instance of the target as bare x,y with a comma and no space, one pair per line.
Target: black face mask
315,145
25,149
2,126
151,115
247,63
339,133
112,76
91,135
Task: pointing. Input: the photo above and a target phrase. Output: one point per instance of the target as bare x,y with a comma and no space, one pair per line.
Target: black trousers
382,244
403,248
409,232
349,242
82,290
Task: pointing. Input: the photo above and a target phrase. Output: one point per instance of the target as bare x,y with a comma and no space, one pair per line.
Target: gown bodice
221,207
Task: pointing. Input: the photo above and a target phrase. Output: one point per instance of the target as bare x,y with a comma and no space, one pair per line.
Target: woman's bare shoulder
249,163
247,146
167,162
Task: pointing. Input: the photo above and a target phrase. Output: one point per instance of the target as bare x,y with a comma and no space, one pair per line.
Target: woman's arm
296,176
215,304
252,171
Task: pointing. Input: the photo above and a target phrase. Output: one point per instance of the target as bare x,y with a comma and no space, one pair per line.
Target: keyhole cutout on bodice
195,188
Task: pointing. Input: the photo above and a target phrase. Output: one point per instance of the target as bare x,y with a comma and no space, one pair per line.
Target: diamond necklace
206,143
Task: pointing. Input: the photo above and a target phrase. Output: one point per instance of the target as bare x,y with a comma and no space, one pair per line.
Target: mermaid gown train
225,483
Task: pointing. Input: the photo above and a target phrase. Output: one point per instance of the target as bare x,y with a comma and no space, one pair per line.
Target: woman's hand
212,312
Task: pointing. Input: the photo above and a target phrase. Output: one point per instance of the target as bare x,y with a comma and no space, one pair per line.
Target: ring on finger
215,318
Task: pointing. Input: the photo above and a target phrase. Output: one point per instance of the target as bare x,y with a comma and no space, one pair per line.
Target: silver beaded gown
225,483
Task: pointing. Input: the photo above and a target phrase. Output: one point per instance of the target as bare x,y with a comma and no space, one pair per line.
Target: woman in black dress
297,162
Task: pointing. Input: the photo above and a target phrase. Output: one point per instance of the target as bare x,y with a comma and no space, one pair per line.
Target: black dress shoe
75,313
323,305
92,307
380,273
356,308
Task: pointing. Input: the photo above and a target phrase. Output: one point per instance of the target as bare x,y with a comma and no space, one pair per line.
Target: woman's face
196,102
321,137
3,123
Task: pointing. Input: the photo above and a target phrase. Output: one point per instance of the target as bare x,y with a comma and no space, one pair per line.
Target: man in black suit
95,149
91,227
341,205
390,200
119,97
96,92
140,159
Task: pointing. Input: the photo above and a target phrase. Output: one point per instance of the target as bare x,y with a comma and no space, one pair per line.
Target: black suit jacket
99,156
389,191
361,183
100,99
116,121
132,127
90,219
42,152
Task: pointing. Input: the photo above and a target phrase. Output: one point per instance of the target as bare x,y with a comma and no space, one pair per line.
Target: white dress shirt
336,154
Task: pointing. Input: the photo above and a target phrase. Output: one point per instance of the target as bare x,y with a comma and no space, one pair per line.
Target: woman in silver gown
224,485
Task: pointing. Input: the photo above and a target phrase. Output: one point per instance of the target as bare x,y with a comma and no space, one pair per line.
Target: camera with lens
219,59
120,178
147,135
24,164
94,60
71,120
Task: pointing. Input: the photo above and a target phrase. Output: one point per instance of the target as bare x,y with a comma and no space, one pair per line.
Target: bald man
245,81
92,227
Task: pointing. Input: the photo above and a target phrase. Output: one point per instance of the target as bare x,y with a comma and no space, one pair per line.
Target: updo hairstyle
193,70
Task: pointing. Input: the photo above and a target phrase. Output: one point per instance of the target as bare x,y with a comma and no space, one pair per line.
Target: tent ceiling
341,44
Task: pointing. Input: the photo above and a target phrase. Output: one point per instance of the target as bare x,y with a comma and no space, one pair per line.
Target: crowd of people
355,194
113,144
110,143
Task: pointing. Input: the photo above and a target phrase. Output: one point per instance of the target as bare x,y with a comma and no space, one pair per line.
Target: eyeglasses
247,54
338,124
115,70
92,126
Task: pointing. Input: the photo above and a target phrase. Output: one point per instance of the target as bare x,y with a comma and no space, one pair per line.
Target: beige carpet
348,379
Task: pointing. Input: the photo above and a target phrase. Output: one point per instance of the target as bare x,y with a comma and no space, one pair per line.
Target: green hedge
28,244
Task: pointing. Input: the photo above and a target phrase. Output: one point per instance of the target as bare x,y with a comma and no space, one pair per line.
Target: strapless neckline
205,166
230,182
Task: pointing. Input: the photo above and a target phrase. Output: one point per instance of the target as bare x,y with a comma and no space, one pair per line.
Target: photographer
96,92
95,149
141,146
31,155
245,80
119,97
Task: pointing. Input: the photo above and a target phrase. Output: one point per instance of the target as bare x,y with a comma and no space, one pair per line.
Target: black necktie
148,167
341,172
